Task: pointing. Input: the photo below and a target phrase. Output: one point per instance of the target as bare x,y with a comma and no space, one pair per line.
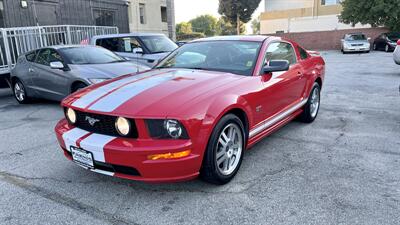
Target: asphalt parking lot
342,169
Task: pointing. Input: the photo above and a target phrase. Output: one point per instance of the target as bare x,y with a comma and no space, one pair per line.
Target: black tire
308,115
387,48
210,170
20,93
375,47
77,86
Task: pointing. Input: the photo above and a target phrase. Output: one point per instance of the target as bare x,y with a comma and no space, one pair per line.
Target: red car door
284,89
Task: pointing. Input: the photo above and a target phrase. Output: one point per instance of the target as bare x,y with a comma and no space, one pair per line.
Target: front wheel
311,108
224,151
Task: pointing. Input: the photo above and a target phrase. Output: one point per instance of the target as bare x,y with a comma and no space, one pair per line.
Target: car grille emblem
91,121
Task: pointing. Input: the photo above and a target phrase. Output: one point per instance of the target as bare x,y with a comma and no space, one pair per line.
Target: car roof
126,35
255,38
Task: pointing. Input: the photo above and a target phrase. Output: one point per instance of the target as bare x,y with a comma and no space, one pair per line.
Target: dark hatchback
387,41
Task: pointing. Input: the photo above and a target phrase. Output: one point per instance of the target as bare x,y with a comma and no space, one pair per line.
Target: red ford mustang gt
193,114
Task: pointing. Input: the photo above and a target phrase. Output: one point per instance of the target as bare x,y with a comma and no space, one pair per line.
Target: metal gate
16,41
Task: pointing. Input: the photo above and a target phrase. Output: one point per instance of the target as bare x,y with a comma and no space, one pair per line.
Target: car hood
107,71
151,94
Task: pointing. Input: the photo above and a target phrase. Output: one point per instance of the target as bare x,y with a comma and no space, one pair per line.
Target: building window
142,13
330,2
164,17
104,17
1,13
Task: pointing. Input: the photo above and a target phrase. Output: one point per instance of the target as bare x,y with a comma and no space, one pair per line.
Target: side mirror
137,51
276,66
57,65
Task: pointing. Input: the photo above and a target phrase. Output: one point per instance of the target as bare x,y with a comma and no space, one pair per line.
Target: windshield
90,55
394,36
238,57
158,44
356,37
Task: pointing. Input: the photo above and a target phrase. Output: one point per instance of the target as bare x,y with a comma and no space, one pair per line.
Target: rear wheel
224,152
387,48
311,108
374,47
20,92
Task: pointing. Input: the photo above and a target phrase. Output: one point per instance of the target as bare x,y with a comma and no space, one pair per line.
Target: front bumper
127,158
356,49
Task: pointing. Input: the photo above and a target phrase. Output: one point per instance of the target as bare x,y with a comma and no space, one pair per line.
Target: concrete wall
153,22
328,40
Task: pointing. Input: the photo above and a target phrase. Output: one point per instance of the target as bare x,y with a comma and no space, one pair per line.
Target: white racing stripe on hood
95,144
92,96
120,96
70,137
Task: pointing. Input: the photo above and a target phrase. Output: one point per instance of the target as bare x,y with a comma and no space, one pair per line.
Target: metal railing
18,40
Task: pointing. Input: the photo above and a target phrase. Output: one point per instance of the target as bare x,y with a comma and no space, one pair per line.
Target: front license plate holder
82,157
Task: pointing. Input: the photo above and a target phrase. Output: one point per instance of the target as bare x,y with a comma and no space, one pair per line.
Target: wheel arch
74,84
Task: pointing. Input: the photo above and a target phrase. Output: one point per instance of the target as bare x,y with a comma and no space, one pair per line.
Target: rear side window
281,51
303,53
31,56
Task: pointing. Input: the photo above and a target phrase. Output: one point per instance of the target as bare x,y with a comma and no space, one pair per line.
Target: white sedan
396,55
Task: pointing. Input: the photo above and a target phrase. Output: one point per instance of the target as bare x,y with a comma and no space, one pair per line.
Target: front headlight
97,80
166,129
70,115
123,126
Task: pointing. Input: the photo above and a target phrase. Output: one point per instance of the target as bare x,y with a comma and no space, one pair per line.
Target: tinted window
90,55
42,57
281,51
54,56
394,36
31,56
303,53
123,44
238,57
158,44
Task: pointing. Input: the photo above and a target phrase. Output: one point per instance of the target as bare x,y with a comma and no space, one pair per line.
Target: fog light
175,155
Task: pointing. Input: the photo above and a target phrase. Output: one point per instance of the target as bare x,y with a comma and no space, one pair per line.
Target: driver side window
280,51
46,56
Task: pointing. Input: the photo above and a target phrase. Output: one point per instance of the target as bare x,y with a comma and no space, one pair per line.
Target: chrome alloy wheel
315,101
229,149
19,91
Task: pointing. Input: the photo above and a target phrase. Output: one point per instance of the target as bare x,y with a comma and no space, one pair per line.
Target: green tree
255,25
224,27
374,12
204,24
237,11
184,28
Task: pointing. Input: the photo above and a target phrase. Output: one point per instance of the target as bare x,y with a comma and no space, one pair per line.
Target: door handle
31,70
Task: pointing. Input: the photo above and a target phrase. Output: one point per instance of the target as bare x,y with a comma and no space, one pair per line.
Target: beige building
311,22
152,16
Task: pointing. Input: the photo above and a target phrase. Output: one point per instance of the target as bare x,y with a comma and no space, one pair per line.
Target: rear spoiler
314,53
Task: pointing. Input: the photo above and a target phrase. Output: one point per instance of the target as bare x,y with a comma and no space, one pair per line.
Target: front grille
104,124
357,45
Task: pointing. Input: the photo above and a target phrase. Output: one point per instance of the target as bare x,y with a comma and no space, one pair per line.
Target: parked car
144,47
396,55
57,71
195,113
386,41
356,42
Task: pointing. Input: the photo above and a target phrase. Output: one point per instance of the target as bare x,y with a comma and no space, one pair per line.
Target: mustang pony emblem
91,120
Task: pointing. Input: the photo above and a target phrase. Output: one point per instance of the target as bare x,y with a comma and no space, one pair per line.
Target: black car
386,41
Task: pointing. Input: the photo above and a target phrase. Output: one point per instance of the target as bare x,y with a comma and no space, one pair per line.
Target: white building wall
306,24
277,5
153,22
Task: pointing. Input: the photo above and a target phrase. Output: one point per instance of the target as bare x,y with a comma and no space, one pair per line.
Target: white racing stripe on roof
120,96
70,137
92,96
95,144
